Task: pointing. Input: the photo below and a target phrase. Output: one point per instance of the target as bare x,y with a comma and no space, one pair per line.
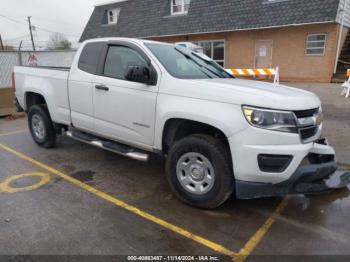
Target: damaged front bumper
317,173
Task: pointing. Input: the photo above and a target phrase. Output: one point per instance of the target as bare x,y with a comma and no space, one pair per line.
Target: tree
59,42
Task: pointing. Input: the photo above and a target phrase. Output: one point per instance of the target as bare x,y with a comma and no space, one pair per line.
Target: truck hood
249,92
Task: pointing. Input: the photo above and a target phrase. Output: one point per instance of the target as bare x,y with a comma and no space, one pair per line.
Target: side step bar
111,146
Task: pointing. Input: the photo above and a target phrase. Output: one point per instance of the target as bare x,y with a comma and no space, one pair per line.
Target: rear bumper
308,178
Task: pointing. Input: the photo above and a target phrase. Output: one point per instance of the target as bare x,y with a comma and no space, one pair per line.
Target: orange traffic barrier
256,72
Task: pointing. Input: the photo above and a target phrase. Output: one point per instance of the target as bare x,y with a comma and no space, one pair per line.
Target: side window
118,60
113,16
315,44
89,57
214,49
179,6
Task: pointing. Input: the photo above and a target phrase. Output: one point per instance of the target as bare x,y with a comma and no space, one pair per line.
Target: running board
111,146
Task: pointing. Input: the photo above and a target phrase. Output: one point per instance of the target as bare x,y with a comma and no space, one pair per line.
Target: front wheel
41,127
199,171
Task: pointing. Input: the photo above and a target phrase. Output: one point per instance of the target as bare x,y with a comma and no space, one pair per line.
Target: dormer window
112,15
180,7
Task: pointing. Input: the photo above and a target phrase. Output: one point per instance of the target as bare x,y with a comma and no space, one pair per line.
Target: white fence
39,58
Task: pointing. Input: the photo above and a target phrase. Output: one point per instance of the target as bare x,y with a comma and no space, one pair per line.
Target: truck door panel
80,86
124,110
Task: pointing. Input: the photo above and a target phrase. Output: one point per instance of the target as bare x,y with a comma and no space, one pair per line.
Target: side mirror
139,74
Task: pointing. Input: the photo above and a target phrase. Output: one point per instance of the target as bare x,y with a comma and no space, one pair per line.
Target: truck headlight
275,120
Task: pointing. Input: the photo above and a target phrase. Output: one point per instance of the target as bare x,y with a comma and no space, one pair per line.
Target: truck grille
306,133
308,126
306,113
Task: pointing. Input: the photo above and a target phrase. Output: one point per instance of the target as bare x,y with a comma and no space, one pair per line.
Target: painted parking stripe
240,256
261,232
183,232
5,186
13,133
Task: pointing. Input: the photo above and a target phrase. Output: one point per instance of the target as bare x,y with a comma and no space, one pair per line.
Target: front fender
226,117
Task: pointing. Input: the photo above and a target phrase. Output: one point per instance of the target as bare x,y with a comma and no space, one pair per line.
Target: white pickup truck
220,135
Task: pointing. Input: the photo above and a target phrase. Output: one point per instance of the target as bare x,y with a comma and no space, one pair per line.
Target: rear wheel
41,127
199,171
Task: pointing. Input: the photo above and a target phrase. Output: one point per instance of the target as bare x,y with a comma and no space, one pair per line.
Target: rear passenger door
80,86
124,110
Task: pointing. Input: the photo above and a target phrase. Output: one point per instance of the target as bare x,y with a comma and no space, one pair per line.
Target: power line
13,20
40,28
56,21
47,30
16,38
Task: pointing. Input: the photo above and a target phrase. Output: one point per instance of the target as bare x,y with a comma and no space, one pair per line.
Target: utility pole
19,53
339,40
31,32
1,43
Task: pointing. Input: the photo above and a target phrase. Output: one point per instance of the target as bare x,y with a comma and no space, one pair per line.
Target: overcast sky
66,16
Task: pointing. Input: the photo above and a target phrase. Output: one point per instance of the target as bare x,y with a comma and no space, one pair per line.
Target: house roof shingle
151,18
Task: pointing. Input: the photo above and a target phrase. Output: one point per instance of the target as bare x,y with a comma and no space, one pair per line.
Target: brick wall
288,50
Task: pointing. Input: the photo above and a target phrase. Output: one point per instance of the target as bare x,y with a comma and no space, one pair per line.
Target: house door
263,54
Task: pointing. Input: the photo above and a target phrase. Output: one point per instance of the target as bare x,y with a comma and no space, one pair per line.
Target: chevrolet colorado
220,135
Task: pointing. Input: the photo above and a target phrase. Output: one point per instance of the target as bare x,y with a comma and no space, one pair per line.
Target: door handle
102,87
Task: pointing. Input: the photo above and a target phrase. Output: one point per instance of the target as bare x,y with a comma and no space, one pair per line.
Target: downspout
339,39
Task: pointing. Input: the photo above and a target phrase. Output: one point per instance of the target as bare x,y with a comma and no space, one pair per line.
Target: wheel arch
176,128
32,98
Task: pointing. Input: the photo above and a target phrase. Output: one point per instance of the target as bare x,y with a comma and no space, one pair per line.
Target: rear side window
90,56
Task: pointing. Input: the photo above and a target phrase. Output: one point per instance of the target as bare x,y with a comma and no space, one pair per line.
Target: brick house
306,39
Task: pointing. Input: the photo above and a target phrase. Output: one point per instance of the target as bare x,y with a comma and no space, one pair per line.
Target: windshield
184,63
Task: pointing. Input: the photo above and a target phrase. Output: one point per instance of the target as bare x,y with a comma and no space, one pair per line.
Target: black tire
49,138
218,155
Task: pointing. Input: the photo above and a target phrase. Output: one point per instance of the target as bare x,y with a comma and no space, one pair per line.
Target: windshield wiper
212,71
199,64
188,54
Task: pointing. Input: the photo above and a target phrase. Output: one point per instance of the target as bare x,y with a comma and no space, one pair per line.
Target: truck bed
50,82
60,68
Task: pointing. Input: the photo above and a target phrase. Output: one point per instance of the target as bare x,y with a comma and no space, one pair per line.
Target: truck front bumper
280,166
308,178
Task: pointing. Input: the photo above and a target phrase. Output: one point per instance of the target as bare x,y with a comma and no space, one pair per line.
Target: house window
214,49
179,7
112,15
316,44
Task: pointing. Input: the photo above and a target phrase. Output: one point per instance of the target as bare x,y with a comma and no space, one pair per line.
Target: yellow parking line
183,232
14,133
240,256
257,237
7,188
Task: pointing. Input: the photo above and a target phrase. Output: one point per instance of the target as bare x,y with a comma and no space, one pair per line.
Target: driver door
124,110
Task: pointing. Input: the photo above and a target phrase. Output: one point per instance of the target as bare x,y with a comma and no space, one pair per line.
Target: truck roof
134,40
